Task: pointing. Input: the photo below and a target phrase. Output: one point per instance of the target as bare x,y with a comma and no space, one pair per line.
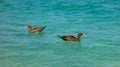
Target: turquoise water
98,19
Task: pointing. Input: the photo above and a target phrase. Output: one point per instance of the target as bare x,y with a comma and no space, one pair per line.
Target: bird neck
79,37
29,28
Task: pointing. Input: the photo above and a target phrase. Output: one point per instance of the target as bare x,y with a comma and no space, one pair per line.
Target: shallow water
99,20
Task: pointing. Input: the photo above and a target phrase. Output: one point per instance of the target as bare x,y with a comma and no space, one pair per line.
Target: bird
35,30
72,38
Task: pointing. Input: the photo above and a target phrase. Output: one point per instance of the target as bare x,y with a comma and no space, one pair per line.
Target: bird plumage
35,30
72,38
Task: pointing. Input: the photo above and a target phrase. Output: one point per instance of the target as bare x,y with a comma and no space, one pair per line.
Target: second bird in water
72,38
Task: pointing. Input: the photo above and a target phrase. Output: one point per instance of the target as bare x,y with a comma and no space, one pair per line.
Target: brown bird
72,38
35,30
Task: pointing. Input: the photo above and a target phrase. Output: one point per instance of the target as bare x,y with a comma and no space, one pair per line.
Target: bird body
35,30
72,38
69,38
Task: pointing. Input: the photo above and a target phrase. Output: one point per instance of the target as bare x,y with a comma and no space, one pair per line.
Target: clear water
98,19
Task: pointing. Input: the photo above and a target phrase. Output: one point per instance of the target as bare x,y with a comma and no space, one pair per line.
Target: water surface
99,20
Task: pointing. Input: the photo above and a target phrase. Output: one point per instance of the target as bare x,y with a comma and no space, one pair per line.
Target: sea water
98,19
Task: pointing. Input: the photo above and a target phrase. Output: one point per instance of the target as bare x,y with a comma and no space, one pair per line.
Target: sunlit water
98,19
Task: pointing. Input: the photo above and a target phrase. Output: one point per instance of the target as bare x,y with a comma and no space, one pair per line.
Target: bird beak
84,35
25,27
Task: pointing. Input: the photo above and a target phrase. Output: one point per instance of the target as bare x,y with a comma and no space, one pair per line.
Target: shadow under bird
72,38
35,30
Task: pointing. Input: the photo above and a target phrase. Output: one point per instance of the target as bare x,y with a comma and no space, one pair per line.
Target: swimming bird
72,38
35,30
